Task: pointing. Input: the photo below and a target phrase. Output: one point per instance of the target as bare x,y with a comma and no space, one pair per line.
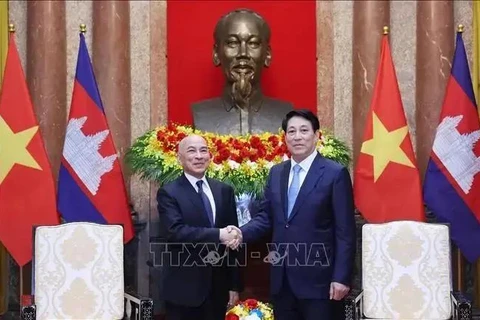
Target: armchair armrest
353,305
137,307
462,306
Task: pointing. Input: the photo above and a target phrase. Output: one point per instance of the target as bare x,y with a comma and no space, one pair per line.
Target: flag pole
459,257
11,30
4,254
458,254
459,270
24,270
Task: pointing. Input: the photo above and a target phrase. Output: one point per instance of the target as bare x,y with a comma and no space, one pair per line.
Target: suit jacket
319,234
194,259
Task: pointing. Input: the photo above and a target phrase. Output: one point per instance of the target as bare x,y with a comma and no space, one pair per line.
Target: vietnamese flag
386,179
27,190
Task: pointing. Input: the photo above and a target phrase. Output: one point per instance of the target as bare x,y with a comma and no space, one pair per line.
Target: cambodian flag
452,182
91,186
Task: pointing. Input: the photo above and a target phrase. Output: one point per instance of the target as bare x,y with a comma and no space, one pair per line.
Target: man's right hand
231,236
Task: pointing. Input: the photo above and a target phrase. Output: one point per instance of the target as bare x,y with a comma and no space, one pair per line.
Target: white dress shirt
206,190
305,165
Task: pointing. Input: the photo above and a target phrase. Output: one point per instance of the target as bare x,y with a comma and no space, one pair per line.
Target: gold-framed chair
78,273
406,274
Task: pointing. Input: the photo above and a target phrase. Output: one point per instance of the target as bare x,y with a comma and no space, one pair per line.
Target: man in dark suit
200,276
309,207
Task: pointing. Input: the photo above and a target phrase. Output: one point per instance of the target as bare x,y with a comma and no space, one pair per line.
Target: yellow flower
239,311
243,161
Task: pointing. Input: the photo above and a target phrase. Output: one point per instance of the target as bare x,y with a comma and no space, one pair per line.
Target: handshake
231,236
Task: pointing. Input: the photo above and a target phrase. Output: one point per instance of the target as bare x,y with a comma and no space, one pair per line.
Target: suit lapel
217,196
313,176
284,187
194,197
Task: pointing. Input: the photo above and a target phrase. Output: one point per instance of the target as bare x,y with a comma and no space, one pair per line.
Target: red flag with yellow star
386,179
27,190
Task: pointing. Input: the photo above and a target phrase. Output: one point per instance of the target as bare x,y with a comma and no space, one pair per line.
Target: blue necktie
206,202
294,188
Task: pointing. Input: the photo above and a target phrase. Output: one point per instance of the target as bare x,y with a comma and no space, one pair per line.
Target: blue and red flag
452,181
91,186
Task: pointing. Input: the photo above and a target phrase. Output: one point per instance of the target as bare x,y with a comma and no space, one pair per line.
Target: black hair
302,113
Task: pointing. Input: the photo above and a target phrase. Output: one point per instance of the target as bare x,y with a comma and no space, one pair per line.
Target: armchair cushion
78,271
406,271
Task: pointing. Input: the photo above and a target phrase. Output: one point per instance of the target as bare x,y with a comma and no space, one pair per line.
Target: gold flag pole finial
460,28
11,27
385,30
83,28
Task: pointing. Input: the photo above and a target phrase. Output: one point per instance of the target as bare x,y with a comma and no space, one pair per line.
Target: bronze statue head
242,49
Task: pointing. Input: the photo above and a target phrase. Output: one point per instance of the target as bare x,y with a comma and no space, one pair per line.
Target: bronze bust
242,49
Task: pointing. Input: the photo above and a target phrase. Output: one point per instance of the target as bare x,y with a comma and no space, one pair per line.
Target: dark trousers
287,307
213,308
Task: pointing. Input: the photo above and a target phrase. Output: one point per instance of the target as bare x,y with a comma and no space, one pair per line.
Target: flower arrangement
250,309
241,161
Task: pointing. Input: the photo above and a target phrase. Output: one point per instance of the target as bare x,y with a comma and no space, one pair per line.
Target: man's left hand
233,299
338,291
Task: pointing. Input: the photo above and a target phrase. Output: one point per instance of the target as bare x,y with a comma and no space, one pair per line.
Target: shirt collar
306,163
193,180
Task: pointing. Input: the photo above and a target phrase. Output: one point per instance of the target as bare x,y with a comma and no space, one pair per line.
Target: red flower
172,127
270,157
261,152
255,142
278,151
273,140
251,303
224,153
245,153
236,158
232,316
181,135
219,144
237,144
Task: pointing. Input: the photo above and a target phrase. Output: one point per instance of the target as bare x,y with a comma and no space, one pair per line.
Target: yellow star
13,149
384,147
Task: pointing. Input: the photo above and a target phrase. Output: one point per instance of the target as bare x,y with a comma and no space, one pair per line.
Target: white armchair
406,274
79,274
